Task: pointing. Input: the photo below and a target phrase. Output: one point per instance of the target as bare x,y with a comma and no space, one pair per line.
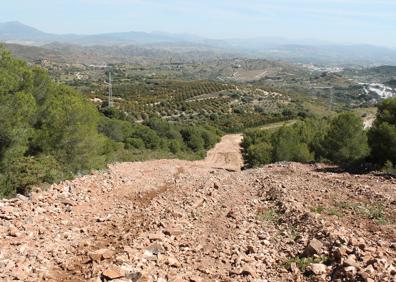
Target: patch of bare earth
172,220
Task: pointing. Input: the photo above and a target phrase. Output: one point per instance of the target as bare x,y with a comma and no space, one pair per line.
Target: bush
116,130
288,146
134,143
346,140
114,113
39,117
25,172
259,154
382,136
67,129
389,167
210,138
193,139
17,112
175,146
150,138
342,141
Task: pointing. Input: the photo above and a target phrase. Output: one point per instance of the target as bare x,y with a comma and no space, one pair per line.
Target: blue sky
343,21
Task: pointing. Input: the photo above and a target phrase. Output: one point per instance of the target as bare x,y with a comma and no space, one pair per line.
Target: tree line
341,140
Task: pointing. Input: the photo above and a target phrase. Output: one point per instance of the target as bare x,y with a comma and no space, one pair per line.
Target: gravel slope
172,220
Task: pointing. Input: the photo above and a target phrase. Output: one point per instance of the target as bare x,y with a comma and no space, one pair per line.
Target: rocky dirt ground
171,220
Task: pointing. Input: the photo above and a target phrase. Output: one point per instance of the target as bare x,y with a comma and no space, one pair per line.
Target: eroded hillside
172,220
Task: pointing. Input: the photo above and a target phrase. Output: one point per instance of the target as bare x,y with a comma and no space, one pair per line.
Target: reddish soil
173,220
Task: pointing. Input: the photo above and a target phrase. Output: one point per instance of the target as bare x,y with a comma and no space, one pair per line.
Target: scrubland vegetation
341,140
50,132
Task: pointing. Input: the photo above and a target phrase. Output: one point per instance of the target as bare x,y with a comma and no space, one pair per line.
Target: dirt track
173,220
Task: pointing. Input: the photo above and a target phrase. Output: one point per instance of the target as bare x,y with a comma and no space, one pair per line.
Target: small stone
131,252
353,241
294,268
156,237
315,247
262,236
135,276
250,250
340,253
198,203
153,250
369,269
350,270
173,262
13,231
22,197
173,231
195,278
318,268
351,261
248,271
362,244
67,202
112,273
364,276
101,254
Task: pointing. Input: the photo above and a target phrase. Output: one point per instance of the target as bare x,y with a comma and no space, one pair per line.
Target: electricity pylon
110,95
110,91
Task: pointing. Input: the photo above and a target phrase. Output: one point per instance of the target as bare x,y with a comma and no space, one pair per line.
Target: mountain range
296,51
16,32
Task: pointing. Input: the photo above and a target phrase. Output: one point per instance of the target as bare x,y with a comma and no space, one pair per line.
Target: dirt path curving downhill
174,220
226,154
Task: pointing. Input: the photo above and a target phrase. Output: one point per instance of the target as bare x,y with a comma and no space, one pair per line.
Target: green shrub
193,138
134,143
346,140
116,130
342,141
25,172
210,138
389,167
17,113
382,136
259,154
114,113
288,146
175,146
150,138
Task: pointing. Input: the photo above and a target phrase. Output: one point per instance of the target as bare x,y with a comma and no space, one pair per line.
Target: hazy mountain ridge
299,51
99,54
16,31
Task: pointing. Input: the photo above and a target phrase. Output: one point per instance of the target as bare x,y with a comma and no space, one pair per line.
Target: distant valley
152,63
79,65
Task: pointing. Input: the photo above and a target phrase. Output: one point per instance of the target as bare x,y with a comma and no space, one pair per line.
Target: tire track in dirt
225,156
174,220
